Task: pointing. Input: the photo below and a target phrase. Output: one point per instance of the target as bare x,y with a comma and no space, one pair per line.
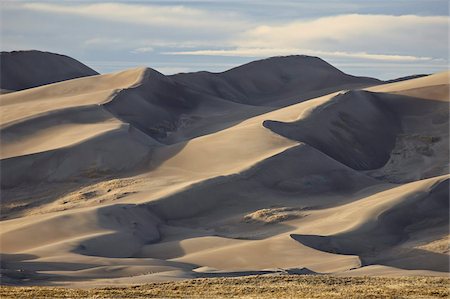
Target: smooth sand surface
134,177
26,69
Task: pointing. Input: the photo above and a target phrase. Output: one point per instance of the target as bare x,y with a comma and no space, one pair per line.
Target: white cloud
156,15
374,37
266,52
347,27
357,33
142,50
121,31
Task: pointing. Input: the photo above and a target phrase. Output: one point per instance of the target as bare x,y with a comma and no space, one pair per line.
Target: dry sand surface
285,165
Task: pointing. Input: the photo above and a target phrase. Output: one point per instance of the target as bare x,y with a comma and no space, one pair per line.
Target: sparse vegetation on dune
282,286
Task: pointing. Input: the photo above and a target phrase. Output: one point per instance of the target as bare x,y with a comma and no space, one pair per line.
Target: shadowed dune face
27,69
273,80
287,177
165,109
380,241
40,133
354,128
365,130
421,149
135,176
87,159
160,106
154,106
134,225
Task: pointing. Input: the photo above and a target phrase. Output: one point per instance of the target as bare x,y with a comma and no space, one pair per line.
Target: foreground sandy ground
283,286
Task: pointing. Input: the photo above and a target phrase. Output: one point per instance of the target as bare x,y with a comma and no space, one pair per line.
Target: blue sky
384,39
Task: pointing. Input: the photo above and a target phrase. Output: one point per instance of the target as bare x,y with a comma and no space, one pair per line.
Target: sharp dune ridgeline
282,165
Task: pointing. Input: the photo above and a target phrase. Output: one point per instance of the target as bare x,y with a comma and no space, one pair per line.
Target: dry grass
273,215
283,286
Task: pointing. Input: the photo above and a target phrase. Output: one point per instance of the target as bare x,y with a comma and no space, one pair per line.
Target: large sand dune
274,81
284,165
27,69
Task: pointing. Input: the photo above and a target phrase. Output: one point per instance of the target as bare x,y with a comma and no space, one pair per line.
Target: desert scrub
259,286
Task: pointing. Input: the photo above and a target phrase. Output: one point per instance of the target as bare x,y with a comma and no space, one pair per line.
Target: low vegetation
281,286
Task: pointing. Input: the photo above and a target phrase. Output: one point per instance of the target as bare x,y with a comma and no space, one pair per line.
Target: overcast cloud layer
385,39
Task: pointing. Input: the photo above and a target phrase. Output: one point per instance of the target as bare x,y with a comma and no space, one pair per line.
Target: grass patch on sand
260,286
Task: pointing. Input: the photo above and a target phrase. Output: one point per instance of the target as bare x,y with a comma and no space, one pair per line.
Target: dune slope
275,81
27,69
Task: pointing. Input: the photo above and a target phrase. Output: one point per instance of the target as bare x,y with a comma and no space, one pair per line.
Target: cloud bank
374,37
227,33
153,15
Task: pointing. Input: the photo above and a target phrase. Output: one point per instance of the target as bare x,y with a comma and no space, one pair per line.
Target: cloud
155,15
371,37
142,50
265,52
401,35
347,27
230,32
367,36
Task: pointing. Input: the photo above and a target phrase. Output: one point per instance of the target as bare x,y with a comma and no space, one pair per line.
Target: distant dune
406,78
274,81
27,69
283,165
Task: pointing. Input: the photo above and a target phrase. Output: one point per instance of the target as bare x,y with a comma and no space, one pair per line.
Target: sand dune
135,176
275,81
355,129
366,131
433,87
27,69
395,220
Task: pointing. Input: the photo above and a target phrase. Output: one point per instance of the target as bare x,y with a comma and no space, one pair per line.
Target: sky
384,39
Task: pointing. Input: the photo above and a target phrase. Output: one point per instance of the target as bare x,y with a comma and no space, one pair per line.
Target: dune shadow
361,128
130,227
17,199
20,269
378,254
380,241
